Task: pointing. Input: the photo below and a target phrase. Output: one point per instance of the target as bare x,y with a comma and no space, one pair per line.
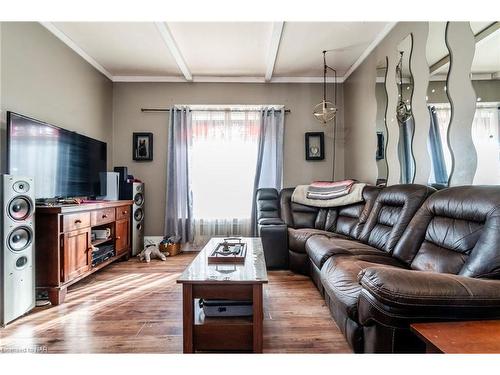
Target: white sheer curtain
222,161
486,138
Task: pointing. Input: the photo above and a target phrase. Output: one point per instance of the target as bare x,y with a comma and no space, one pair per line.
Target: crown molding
223,79
305,79
148,79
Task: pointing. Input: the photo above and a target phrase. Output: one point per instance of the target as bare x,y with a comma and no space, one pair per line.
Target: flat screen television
63,163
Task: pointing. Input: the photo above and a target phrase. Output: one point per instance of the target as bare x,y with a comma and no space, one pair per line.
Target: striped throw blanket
355,195
329,190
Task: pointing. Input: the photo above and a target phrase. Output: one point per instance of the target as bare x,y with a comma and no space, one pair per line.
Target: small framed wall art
380,146
142,146
315,146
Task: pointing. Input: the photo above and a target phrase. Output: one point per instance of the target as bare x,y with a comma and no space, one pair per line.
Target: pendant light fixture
326,111
403,111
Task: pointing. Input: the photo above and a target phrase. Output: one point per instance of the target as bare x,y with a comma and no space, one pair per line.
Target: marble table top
252,271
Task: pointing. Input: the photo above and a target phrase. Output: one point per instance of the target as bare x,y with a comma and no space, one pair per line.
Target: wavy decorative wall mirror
404,114
381,126
438,105
485,75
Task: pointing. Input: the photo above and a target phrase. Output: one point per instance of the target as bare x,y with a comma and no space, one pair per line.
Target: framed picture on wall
315,146
380,146
142,146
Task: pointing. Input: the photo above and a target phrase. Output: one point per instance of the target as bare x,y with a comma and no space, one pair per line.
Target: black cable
335,105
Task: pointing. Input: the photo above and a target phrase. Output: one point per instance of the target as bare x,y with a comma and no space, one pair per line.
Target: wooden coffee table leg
188,318
258,316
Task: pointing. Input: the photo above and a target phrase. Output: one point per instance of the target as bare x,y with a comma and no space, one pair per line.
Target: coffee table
242,281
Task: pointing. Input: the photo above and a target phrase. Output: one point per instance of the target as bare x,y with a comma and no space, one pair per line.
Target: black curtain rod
168,110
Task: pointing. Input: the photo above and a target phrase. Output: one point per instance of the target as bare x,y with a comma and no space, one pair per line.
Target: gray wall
43,78
128,99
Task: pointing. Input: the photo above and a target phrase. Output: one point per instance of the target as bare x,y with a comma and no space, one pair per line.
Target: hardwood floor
133,307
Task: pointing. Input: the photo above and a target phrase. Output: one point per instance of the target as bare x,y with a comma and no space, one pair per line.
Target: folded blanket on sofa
354,196
318,185
329,190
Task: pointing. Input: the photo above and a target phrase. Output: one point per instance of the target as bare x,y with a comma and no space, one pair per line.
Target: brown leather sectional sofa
406,254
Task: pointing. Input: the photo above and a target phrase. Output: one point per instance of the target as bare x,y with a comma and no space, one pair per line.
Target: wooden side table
469,337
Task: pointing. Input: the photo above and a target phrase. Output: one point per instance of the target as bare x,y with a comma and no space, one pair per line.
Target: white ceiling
221,51
123,48
302,43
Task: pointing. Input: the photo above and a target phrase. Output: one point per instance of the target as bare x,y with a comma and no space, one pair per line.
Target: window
222,162
486,138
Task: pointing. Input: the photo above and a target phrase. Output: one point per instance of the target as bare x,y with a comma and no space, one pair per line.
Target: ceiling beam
71,44
274,46
386,30
169,40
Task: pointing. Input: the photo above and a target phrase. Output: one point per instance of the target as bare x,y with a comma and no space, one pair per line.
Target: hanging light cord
325,69
400,90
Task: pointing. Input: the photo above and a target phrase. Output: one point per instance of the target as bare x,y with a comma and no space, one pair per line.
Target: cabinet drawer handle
118,237
78,221
124,212
104,216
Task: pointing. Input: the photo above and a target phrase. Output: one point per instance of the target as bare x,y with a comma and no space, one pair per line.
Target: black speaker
125,187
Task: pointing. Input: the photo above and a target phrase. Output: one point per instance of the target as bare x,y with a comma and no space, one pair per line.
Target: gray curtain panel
405,151
436,150
178,212
269,171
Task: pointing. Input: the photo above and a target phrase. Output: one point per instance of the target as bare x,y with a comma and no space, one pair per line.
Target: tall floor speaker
138,218
18,247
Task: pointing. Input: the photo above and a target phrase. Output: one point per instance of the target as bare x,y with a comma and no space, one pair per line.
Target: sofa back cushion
297,215
392,211
351,219
457,231
267,202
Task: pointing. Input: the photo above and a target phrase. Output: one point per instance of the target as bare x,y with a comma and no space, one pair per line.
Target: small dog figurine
151,251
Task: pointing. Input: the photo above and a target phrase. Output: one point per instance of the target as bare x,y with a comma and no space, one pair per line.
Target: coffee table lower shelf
227,334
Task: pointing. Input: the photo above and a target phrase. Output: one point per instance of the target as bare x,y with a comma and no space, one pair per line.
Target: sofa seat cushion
320,248
339,276
297,237
396,298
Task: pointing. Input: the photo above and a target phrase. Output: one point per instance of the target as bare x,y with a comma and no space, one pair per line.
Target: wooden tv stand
63,242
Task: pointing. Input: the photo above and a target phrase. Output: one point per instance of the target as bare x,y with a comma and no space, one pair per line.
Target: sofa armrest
275,244
397,297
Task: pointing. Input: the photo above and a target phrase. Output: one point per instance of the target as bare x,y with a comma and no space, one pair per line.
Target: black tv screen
62,163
